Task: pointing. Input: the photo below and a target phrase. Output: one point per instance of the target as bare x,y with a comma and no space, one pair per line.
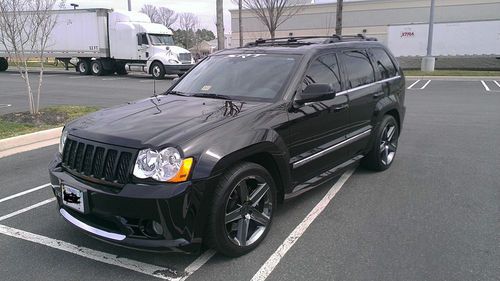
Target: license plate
73,198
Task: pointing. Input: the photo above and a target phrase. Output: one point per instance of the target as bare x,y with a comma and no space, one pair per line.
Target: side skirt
322,178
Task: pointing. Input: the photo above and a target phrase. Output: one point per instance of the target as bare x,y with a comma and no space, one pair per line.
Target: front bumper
178,68
123,217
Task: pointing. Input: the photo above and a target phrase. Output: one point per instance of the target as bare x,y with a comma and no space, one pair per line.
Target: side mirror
316,92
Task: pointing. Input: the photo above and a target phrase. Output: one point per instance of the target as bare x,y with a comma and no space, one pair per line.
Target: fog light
157,228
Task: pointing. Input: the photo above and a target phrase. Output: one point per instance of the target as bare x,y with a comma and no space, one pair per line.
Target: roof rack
303,40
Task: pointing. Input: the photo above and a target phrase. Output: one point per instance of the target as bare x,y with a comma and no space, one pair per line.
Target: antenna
154,87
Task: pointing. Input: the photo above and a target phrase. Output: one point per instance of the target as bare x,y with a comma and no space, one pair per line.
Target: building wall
373,16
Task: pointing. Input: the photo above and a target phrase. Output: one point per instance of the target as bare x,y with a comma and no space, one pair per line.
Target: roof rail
302,40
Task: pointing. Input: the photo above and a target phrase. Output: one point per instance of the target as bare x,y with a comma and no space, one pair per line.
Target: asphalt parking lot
434,215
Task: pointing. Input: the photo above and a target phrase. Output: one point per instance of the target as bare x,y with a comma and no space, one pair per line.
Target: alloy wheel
248,211
156,71
388,144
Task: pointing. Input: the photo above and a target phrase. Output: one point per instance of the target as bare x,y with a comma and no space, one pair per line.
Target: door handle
378,95
341,107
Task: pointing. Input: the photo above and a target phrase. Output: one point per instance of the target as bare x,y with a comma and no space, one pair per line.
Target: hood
158,121
177,49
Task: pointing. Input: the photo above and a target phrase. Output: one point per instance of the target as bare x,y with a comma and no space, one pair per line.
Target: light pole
129,5
429,62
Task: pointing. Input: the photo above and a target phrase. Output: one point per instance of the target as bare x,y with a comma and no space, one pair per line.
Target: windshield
240,76
161,39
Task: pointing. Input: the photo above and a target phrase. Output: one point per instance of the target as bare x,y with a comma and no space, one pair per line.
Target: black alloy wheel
244,204
384,147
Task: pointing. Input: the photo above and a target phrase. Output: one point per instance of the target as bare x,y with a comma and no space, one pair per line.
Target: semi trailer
105,41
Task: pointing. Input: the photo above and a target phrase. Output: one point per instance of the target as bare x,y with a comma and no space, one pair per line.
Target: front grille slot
99,162
185,57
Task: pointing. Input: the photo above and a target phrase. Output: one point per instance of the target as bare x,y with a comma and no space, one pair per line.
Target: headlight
62,141
165,165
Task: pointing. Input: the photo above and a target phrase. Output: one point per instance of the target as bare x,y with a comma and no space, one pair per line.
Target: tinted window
324,70
240,76
359,68
383,64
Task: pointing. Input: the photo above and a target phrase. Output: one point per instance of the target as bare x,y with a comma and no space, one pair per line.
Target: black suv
208,161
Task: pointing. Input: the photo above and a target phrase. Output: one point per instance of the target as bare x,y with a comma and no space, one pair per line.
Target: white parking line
78,77
485,86
113,79
276,257
24,192
145,268
411,86
426,85
498,84
145,81
24,210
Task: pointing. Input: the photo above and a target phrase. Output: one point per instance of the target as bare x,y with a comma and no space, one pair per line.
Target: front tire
157,70
242,211
384,147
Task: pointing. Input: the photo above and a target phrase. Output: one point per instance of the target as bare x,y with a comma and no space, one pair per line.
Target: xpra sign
407,34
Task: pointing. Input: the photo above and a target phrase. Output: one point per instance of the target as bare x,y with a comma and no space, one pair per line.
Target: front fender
226,151
162,57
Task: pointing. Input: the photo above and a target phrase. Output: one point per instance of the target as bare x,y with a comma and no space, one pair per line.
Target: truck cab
154,50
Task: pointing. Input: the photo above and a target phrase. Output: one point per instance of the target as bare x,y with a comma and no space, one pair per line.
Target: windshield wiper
211,95
177,93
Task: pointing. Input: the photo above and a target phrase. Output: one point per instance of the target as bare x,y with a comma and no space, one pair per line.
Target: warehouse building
372,18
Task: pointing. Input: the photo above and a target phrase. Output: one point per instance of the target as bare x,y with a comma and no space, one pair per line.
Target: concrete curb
25,142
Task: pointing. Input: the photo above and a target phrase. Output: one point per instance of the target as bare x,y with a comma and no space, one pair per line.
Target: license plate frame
74,198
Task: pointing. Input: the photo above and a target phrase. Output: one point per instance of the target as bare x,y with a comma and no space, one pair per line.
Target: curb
29,139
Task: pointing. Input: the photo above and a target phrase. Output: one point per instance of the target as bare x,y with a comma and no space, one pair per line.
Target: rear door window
358,67
324,70
383,64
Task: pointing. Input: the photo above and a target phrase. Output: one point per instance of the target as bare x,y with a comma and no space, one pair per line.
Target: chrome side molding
367,85
331,148
91,229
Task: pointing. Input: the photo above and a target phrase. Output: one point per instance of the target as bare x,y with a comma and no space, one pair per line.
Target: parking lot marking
137,266
24,192
276,257
144,81
113,79
199,262
485,86
498,84
411,86
78,77
24,210
428,82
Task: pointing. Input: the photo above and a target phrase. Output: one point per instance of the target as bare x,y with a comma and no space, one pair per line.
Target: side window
324,70
358,67
142,38
383,63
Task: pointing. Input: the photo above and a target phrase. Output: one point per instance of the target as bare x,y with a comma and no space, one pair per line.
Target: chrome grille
185,57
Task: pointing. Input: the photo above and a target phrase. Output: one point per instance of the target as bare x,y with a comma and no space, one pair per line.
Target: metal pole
130,5
429,62
431,29
338,24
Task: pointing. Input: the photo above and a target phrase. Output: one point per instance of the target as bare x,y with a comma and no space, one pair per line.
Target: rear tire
242,210
384,147
97,68
4,64
83,67
157,70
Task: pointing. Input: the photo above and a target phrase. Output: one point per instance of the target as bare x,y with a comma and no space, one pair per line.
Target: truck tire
157,70
4,64
97,68
120,69
83,67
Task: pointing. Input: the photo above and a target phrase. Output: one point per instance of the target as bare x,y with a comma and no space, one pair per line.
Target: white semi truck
104,41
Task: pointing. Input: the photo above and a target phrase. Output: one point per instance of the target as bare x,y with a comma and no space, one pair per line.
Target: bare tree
25,28
188,22
166,17
220,24
151,11
273,13
338,25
